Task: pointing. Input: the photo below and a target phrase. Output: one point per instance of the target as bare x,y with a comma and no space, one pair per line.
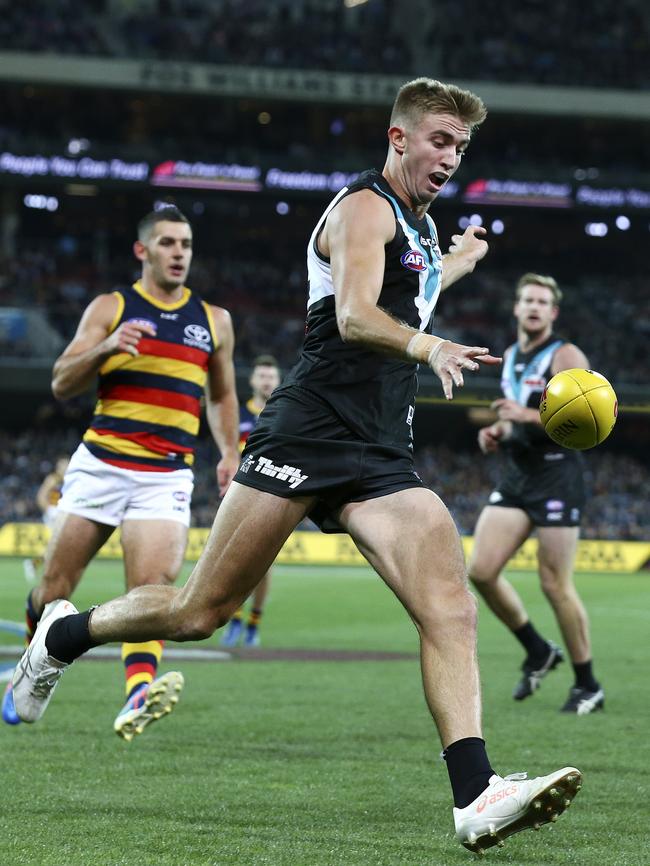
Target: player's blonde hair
429,96
540,280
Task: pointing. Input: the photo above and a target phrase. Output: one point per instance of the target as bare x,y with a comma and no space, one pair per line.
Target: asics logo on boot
499,795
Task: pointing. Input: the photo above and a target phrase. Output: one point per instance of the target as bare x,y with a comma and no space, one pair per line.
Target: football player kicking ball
334,443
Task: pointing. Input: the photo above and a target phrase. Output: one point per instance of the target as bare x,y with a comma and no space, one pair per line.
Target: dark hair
165,214
265,361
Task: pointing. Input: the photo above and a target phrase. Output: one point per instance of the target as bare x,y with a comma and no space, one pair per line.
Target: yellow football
578,409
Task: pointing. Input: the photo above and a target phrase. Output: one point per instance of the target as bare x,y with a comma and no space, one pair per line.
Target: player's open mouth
438,179
177,270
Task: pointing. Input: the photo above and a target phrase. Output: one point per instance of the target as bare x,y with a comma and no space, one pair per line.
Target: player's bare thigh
499,533
556,552
75,541
248,532
410,539
153,551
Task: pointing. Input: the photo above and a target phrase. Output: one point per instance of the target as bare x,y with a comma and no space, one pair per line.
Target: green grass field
313,763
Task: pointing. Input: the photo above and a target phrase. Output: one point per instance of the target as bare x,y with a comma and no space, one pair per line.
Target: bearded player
542,489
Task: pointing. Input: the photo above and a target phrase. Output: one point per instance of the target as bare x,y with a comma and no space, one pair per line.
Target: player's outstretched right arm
75,370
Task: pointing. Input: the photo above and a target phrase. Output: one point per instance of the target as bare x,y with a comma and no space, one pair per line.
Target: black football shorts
552,492
301,447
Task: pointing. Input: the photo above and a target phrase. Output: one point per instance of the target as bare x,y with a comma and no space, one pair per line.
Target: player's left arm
465,252
567,357
222,406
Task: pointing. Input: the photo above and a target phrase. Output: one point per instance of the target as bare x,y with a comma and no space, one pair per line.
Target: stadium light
596,230
77,146
476,219
497,227
623,223
463,222
282,208
41,202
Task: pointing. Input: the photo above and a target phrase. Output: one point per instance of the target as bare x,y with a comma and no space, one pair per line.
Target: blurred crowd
267,299
514,41
548,44
312,34
617,506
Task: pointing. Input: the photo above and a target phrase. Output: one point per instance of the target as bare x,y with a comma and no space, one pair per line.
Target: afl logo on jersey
196,336
136,320
414,260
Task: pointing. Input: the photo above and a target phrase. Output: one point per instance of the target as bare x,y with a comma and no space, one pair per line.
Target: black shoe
582,701
534,671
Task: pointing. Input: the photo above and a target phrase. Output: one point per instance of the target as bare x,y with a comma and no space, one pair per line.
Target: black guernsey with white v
373,394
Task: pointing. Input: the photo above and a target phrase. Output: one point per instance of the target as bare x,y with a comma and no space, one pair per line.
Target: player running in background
47,499
155,348
264,379
335,443
542,488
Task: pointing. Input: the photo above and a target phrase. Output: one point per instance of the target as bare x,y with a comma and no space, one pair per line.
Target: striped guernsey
148,408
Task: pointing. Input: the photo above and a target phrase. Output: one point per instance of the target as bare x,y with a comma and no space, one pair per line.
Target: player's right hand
127,336
488,438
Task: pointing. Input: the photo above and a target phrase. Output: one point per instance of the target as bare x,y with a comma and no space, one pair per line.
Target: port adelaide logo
414,260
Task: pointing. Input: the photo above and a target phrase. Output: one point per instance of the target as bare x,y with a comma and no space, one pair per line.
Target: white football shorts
110,495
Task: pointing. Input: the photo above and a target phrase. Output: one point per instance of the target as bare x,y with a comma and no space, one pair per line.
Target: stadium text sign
314,548
68,167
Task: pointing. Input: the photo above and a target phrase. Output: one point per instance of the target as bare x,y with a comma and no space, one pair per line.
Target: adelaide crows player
264,379
334,442
155,348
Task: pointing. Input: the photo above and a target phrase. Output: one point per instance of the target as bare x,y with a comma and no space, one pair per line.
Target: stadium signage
315,548
67,167
519,192
203,175
256,178
612,197
302,84
308,181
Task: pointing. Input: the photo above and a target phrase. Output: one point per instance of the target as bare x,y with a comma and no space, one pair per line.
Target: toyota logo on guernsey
197,336
414,260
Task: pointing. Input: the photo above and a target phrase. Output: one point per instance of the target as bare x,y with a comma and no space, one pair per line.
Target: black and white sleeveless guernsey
339,427
523,379
372,393
541,478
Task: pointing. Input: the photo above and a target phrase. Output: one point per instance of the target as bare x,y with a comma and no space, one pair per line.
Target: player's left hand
226,469
469,244
510,410
448,360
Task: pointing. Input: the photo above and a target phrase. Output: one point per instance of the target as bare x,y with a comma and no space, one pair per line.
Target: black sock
31,617
531,640
31,610
584,676
469,769
69,637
